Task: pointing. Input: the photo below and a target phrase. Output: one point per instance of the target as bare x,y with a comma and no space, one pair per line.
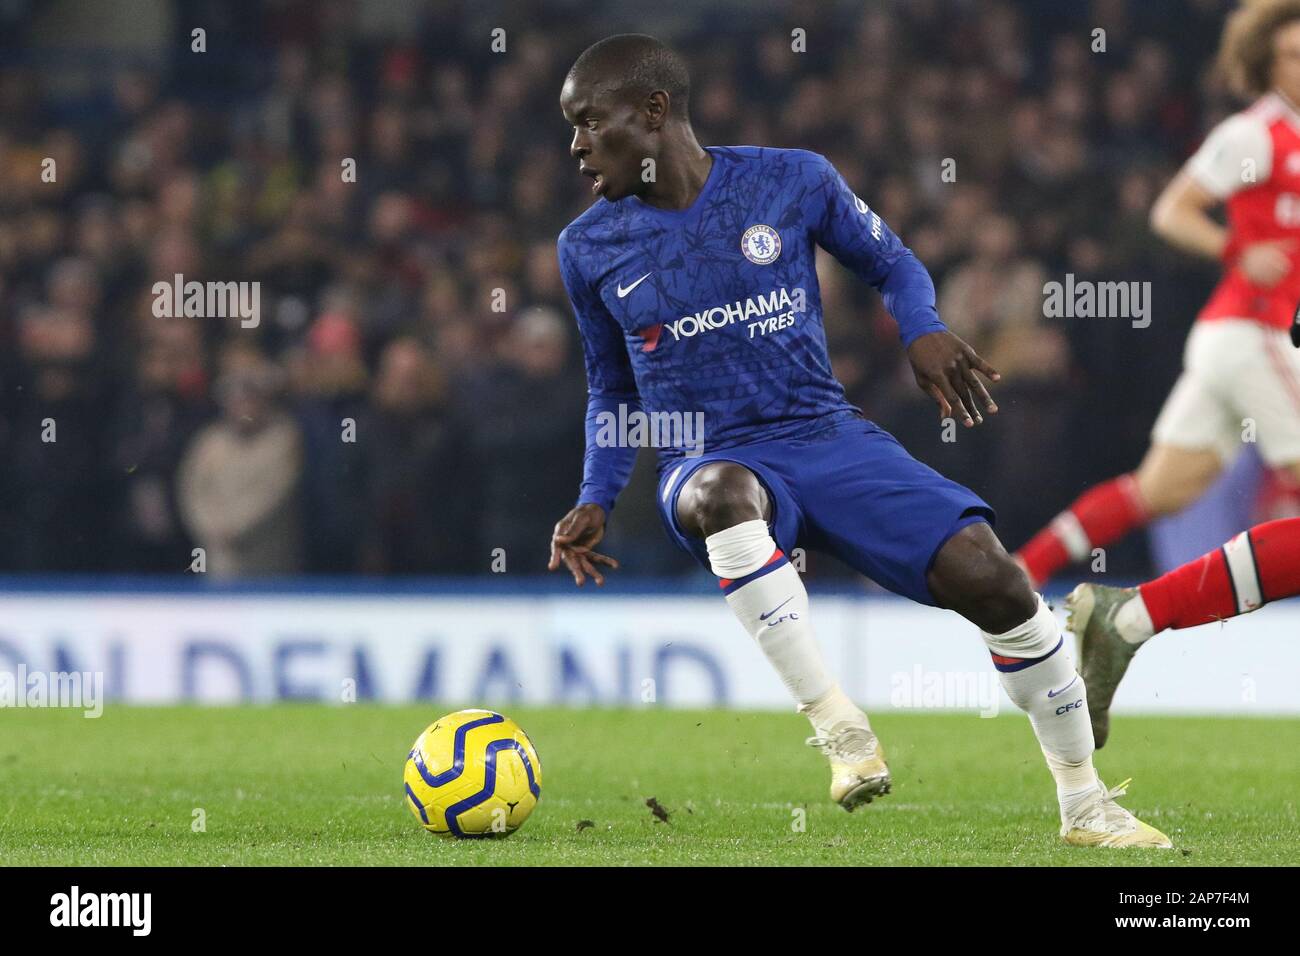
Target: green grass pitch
309,785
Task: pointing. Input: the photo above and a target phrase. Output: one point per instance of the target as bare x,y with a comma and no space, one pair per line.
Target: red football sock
1100,516
1276,546
1255,567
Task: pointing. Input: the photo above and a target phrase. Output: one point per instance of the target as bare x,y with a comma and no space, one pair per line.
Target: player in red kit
1255,567
1240,380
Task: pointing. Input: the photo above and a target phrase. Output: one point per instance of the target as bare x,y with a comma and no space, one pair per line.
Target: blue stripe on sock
739,583
1021,663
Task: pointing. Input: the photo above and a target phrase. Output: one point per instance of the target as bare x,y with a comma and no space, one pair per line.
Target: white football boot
1098,820
858,771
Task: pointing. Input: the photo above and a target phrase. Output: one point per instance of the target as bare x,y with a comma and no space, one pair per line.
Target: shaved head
631,66
625,99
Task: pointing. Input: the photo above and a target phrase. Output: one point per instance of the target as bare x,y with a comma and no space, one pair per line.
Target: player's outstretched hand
575,535
945,368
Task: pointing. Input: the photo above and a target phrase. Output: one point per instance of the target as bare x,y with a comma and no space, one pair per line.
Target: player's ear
656,109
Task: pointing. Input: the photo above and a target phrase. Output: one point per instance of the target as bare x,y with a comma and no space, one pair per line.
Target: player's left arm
945,367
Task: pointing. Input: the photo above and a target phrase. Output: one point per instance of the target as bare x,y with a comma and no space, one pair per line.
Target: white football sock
834,707
768,598
1036,666
1133,620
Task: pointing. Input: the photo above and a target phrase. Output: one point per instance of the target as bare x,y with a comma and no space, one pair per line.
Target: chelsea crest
761,244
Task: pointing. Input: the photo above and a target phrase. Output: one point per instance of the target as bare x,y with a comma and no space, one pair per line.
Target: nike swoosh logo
622,292
764,617
1053,693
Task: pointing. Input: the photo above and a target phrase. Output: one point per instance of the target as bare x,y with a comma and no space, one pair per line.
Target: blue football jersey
714,311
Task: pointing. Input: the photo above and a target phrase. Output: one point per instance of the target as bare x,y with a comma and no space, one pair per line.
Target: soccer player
1238,365
692,277
1255,567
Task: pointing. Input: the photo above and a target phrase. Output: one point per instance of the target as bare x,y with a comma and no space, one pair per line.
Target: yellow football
473,773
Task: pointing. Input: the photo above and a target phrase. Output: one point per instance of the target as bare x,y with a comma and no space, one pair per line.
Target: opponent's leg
1168,480
1255,567
973,575
726,505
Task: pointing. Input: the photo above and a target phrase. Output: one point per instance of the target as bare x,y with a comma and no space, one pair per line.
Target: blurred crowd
411,400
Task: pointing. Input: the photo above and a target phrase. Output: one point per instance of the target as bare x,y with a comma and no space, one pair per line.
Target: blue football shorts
850,490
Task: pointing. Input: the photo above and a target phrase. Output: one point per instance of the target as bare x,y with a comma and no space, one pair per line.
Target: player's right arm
605,468
1237,154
